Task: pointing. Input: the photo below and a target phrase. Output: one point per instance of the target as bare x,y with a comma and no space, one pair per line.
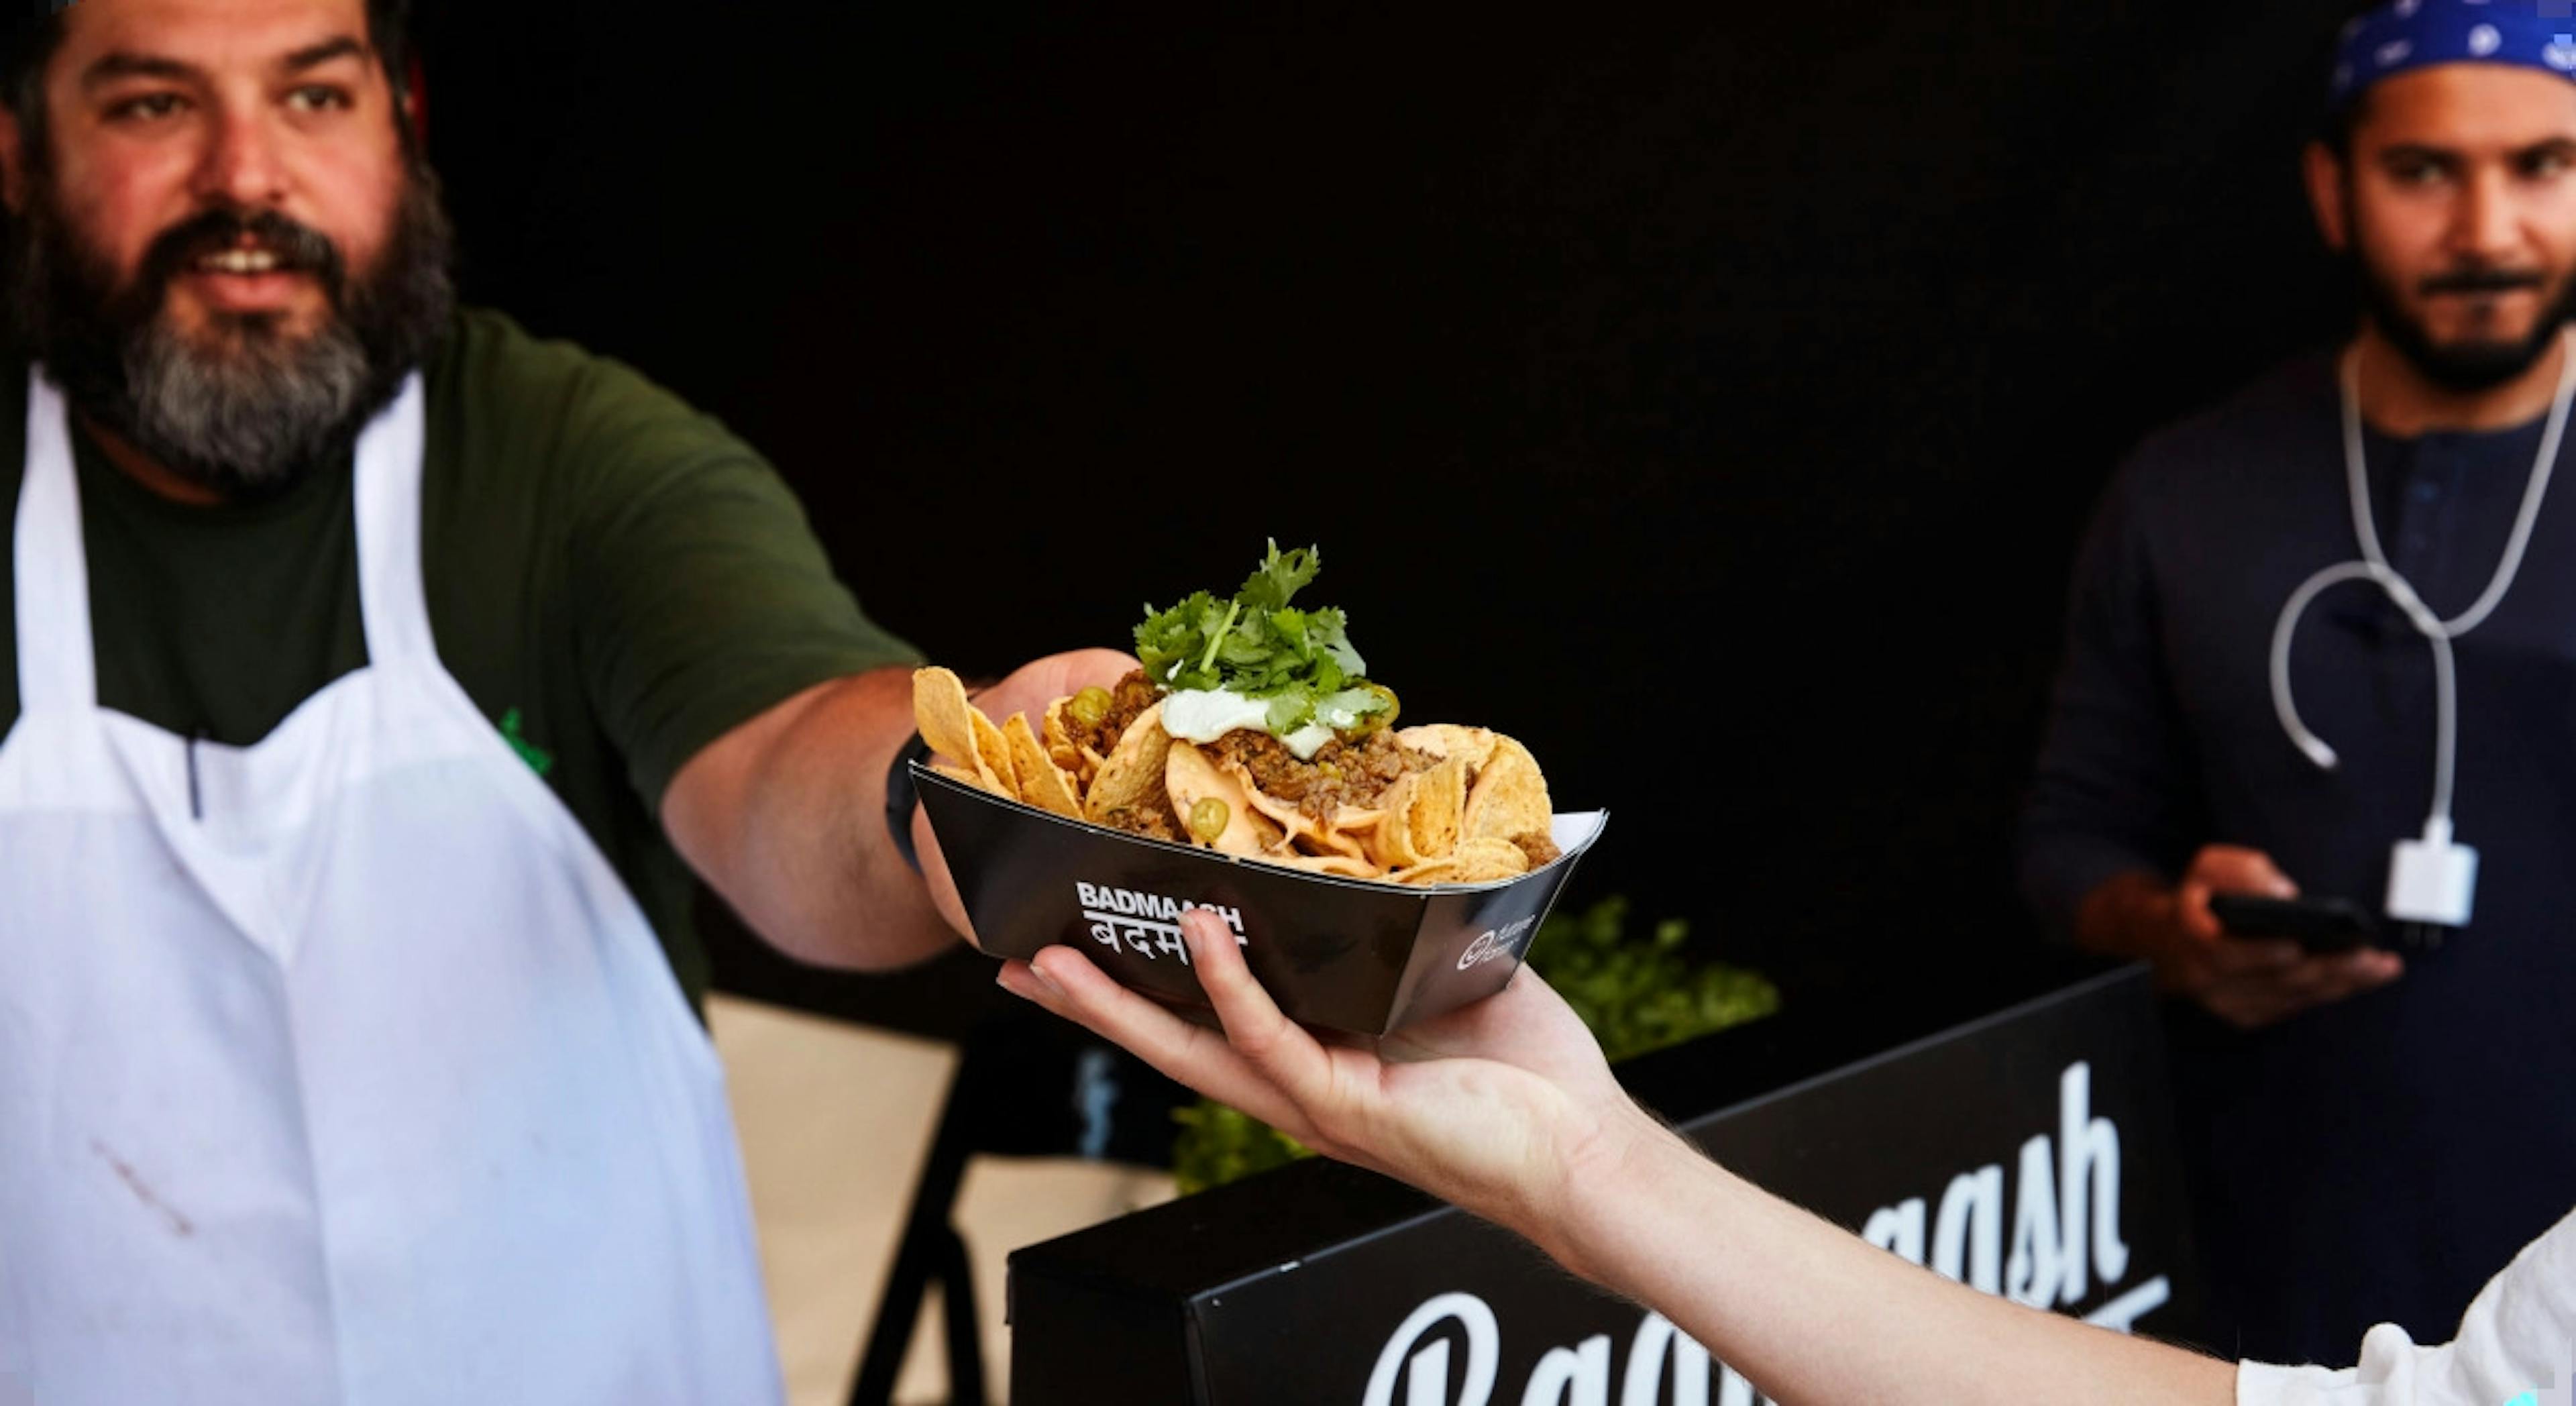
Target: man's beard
2463,367
242,407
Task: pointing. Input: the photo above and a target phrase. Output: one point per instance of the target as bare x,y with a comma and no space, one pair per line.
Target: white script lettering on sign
2064,1243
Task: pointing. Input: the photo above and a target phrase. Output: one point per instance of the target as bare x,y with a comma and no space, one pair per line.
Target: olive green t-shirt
615,580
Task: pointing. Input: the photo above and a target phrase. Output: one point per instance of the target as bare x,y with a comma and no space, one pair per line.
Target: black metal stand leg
938,1254
930,1250
965,1328
1005,1098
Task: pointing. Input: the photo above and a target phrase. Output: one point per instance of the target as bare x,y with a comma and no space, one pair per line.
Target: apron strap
57,665
391,597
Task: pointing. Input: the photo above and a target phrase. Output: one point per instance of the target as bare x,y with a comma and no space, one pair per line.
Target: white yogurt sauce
1206,714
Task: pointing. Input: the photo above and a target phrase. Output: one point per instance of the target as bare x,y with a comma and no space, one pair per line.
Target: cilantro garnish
1260,646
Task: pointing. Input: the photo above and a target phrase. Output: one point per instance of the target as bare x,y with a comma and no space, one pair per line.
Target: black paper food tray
1346,954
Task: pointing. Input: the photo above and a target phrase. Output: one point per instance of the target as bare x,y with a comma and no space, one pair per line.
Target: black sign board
2027,1151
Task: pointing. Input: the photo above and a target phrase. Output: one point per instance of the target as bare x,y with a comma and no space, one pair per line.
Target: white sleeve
2519,1337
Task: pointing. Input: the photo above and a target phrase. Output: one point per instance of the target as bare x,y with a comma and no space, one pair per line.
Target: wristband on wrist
902,798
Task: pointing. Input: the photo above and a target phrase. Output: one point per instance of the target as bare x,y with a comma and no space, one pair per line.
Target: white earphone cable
2542,469
2374,567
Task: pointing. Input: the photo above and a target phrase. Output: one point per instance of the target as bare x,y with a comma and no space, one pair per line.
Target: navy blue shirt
2378,1159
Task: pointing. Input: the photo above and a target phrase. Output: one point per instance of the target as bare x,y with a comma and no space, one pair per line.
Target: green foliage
1639,995
1260,646
1219,1144
1636,995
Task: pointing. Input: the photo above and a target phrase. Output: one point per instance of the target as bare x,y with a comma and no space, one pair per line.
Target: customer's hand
1501,1106
1506,1108
2247,982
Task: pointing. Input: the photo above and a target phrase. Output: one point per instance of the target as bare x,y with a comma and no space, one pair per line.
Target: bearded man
375,679
2368,1133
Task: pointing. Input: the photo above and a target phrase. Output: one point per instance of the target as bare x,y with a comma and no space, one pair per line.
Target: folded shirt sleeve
703,594
2517,1341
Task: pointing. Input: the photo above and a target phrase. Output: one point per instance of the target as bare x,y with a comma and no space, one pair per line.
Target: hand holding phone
2244,978
2317,924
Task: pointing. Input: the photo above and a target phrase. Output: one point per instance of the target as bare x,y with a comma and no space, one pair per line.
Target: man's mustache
297,248
2474,281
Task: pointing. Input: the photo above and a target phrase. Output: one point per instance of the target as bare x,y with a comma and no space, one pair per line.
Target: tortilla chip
1133,771
958,774
1421,816
1192,778
1341,866
1481,860
1439,803
995,753
945,718
1390,840
1510,797
1473,862
1058,737
1350,820
957,730
1443,870
1325,840
1473,745
1042,783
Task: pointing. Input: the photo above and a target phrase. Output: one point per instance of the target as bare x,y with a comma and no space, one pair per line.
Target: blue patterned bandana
2410,34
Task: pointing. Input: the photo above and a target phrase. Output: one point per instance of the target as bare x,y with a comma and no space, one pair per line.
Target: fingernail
1026,982
1203,928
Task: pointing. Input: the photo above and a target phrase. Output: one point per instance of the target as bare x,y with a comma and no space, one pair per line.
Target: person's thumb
2234,869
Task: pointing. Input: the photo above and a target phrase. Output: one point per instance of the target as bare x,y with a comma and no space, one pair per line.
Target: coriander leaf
1279,577
1216,636
1244,652
1290,710
1258,645
1170,637
1289,628
1339,711
1325,628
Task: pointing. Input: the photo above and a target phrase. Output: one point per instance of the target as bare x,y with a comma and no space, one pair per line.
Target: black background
1714,405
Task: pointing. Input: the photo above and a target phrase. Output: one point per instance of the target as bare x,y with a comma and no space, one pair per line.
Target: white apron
356,1076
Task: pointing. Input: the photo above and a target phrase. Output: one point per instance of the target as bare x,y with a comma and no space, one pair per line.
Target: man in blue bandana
2370,1134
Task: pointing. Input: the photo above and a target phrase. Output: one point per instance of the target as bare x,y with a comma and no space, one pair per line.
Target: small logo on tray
1493,946
1147,924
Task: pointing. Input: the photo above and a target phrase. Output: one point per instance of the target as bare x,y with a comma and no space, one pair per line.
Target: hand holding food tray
1375,876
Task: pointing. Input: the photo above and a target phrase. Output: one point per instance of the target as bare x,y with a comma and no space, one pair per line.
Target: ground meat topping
1128,701
1342,773
1540,848
1152,820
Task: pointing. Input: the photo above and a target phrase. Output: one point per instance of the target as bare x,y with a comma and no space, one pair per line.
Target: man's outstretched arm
785,815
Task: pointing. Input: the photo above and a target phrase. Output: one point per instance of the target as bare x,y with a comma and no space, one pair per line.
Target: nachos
1251,728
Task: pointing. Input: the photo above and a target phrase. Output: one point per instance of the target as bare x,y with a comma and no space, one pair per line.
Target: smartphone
2317,924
